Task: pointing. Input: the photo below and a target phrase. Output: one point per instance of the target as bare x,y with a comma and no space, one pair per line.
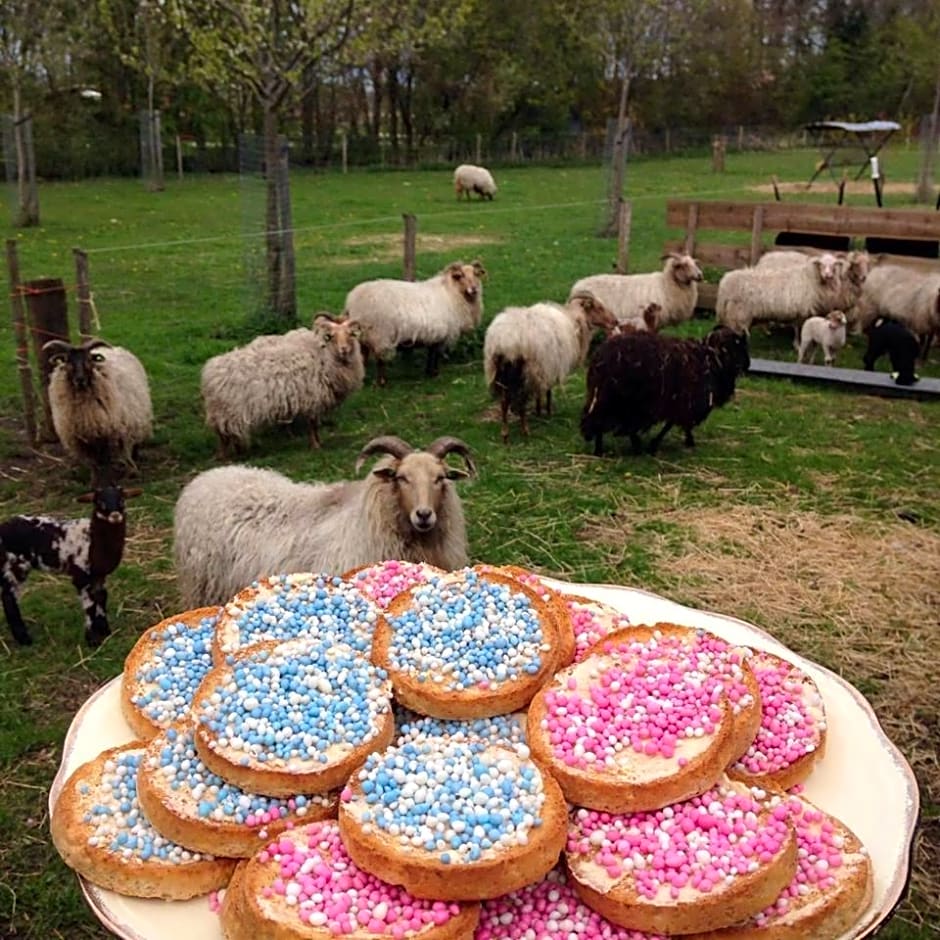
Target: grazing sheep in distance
87,550
889,336
527,351
432,313
675,289
235,524
276,378
474,179
905,294
827,332
637,379
100,402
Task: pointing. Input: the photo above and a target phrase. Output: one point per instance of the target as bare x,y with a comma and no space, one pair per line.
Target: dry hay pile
858,596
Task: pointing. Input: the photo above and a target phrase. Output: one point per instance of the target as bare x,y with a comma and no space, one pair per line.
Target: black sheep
87,550
636,380
889,336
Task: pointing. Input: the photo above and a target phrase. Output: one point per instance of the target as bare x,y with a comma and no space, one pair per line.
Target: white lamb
905,294
675,289
474,179
527,351
276,378
431,313
827,332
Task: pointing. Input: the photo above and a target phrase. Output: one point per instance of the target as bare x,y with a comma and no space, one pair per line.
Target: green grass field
810,512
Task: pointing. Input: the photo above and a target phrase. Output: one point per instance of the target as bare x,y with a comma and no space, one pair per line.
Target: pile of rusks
405,752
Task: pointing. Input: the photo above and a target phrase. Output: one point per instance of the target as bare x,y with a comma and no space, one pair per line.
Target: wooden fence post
84,293
479,149
624,221
718,154
776,185
691,225
179,157
22,343
411,253
757,231
48,319
344,149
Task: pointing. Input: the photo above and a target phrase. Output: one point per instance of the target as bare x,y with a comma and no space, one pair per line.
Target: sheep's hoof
24,639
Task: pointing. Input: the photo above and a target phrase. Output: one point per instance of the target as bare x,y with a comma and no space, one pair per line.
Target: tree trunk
309,105
391,80
272,215
618,159
377,103
925,181
155,170
27,211
407,117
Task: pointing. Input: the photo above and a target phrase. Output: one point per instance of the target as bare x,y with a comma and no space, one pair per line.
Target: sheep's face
341,336
80,364
421,482
684,269
109,503
836,320
465,279
598,316
828,268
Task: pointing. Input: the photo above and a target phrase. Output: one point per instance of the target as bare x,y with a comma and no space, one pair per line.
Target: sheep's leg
94,598
656,441
313,432
432,363
523,419
598,445
636,442
11,610
538,404
380,378
548,403
689,440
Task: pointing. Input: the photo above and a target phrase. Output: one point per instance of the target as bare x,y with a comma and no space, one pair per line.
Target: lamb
235,524
905,294
474,179
889,336
637,379
827,332
99,397
276,378
527,351
644,322
432,313
789,294
87,550
675,289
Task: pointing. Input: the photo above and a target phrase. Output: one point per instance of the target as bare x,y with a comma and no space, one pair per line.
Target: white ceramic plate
863,779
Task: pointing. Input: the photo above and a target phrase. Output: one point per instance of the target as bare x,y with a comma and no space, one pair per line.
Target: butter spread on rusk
302,604
306,879
292,717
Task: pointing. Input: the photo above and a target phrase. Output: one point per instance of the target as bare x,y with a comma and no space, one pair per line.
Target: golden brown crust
437,699
134,876
175,813
150,642
425,876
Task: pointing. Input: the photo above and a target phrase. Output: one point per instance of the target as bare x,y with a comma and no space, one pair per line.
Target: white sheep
431,313
276,378
99,397
675,289
474,179
789,294
827,332
905,294
235,524
850,271
527,351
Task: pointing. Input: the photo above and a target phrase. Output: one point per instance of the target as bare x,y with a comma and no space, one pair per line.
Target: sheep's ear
478,268
456,473
385,473
85,498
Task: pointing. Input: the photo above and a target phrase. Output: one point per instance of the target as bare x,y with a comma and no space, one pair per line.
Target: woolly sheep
850,271
432,313
789,294
637,379
276,378
235,524
99,397
474,179
675,289
527,351
905,294
827,332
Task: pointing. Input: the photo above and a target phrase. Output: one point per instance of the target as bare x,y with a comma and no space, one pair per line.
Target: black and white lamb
889,336
638,379
87,550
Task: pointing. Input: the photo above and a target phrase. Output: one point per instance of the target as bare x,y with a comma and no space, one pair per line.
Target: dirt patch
387,247
859,598
853,187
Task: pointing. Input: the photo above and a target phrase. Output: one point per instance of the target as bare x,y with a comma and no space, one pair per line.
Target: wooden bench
913,230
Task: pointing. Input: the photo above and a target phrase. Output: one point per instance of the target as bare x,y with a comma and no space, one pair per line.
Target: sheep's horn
388,444
95,343
56,346
443,446
583,295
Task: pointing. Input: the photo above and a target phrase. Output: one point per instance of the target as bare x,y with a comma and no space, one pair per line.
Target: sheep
529,350
905,294
675,289
827,332
789,294
474,179
644,322
276,378
234,524
889,336
637,379
99,397
87,550
432,313
850,271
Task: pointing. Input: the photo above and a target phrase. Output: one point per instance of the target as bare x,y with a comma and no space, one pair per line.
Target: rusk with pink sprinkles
699,865
591,622
652,716
830,891
792,733
384,580
304,886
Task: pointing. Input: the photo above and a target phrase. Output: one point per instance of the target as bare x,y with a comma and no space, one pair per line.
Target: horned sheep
827,332
674,288
276,378
474,179
235,524
527,351
431,313
99,397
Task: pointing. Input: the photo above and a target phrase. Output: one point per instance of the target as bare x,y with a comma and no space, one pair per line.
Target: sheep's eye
440,479
401,478
97,357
